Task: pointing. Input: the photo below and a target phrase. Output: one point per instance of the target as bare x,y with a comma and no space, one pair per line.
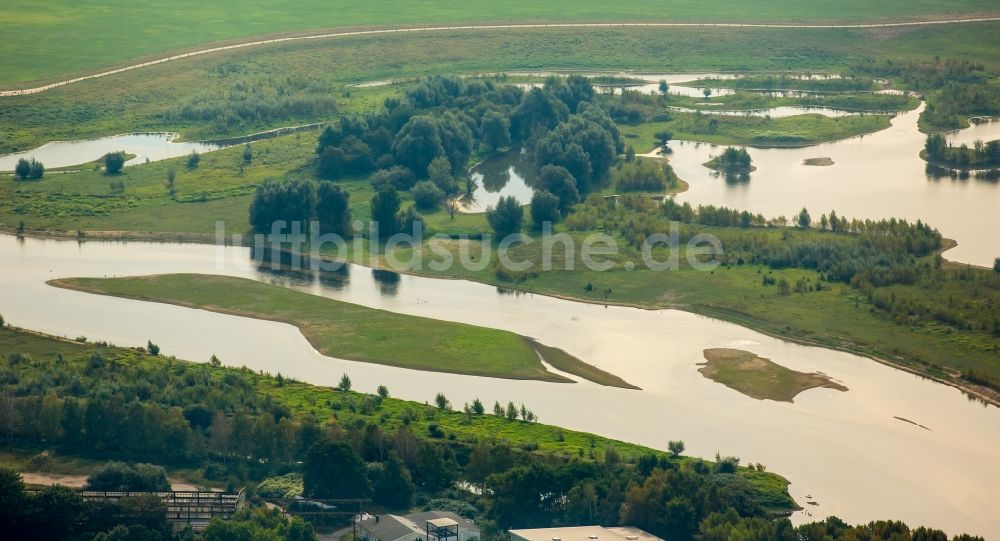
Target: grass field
758,377
47,39
353,332
330,406
142,100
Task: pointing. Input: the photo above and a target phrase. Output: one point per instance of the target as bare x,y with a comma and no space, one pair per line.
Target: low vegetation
758,377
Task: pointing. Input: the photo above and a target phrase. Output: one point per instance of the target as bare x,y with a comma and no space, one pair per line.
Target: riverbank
353,332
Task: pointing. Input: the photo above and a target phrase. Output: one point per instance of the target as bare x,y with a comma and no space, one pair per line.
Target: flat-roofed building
426,526
583,533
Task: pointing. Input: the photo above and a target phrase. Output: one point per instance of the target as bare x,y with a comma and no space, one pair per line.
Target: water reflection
388,282
507,174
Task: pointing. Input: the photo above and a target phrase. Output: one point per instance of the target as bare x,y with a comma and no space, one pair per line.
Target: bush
193,160
399,177
286,486
427,195
119,476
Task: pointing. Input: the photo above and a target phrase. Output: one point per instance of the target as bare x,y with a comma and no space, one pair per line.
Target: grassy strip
791,131
338,407
340,329
55,38
567,363
758,377
355,332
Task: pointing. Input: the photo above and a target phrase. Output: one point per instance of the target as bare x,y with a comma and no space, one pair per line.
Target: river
845,451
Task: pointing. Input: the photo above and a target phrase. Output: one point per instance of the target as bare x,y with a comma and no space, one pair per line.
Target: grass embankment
791,131
55,38
758,377
148,99
354,332
331,407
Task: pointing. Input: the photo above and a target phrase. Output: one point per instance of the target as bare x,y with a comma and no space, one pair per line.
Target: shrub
427,195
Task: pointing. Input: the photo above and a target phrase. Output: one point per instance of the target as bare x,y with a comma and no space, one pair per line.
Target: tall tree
333,470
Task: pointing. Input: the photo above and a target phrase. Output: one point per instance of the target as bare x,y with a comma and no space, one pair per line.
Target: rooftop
584,533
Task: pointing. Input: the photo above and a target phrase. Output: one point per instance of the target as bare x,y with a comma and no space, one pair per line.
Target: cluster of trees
981,154
29,169
119,476
256,103
301,201
644,176
733,161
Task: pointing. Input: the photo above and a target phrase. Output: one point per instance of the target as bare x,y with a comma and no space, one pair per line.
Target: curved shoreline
474,27
986,395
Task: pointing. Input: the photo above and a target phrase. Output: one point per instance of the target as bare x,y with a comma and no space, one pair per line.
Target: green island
760,378
357,333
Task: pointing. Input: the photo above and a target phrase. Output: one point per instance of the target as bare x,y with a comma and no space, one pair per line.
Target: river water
145,146
845,451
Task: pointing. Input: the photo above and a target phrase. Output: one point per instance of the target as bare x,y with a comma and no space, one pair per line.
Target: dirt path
77,481
385,31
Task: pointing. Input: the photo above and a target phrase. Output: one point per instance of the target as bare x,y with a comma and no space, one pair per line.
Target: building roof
585,533
392,527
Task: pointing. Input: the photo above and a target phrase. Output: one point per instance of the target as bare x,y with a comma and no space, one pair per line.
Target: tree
330,164
171,178
498,410
442,402
664,87
345,383
418,143
119,476
333,211
935,145
544,208
477,407
427,195
37,170
113,162
383,391
333,470
247,154
385,211
663,137
494,130
440,173
996,269
804,220
152,348
394,487
506,218
288,200
676,447
22,169
511,412
558,181
193,159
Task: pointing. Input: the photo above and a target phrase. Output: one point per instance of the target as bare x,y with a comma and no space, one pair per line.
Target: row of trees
29,169
301,201
980,155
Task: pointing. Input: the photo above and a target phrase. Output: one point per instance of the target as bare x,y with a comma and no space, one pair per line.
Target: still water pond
844,451
145,146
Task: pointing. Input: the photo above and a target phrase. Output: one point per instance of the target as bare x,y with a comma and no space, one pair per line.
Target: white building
427,526
583,533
